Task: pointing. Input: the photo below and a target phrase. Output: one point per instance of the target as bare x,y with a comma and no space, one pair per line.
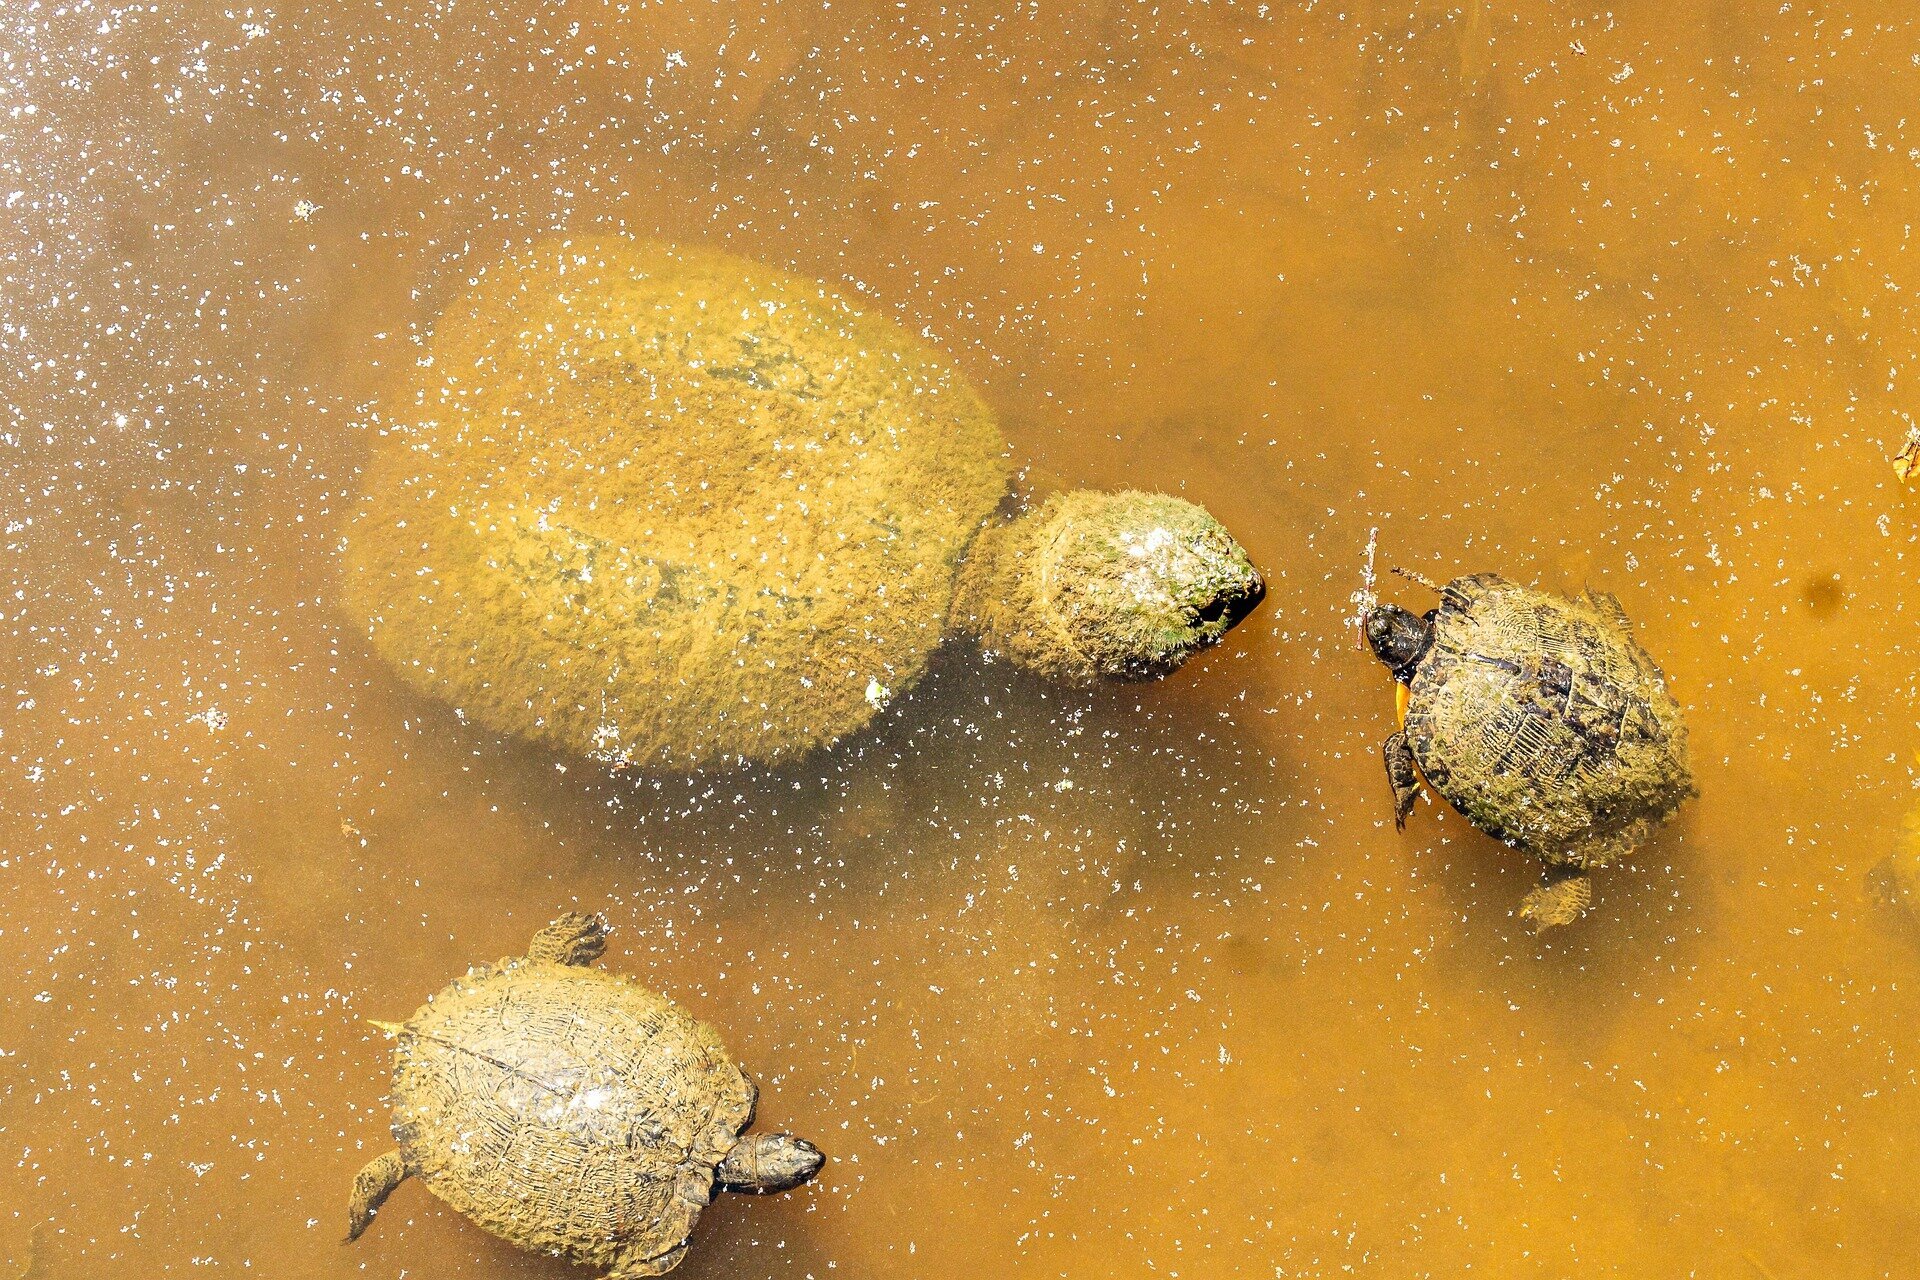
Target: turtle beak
811,1161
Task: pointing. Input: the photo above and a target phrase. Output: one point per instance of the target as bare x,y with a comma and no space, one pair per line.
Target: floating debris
1366,597
213,717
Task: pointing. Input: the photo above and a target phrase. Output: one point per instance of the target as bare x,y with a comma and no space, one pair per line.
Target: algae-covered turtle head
1123,586
676,510
1541,719
572,1111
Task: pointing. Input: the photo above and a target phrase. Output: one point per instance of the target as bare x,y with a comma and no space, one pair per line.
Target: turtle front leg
1561,900
1403,776
572,939
371,1187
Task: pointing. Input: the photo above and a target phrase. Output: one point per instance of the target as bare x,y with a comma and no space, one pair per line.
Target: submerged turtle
672,509
573,1111
32,1264
1894,881
1541,719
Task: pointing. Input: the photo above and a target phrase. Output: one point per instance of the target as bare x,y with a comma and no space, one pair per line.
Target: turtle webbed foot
572,939
1561,900
1403,776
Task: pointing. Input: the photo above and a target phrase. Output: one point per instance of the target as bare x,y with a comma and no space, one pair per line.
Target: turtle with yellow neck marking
1541,719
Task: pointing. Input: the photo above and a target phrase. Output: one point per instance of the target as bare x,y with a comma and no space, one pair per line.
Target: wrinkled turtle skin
678,511
572,1111
1542,720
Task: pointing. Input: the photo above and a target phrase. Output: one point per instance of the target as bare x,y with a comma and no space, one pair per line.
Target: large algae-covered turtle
672,509
572,1111
1541,719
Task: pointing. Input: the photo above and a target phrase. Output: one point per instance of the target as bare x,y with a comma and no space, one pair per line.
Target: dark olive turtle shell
1542,720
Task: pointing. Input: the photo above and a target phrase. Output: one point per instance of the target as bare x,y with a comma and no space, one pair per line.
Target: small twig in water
1411,576
1365,598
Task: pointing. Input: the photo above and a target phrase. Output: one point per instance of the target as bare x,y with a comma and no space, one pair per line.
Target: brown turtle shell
567,1109
1541,719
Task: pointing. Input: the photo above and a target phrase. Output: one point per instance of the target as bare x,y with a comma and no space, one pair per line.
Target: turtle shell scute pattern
568,1110
1545,723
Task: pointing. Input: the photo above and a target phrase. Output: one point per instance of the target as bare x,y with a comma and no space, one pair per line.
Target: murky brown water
1613,296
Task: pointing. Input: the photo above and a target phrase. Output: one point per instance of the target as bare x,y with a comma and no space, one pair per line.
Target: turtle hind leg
635,1265
572,939
371,1187
665,1246
1561,900
1404,777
